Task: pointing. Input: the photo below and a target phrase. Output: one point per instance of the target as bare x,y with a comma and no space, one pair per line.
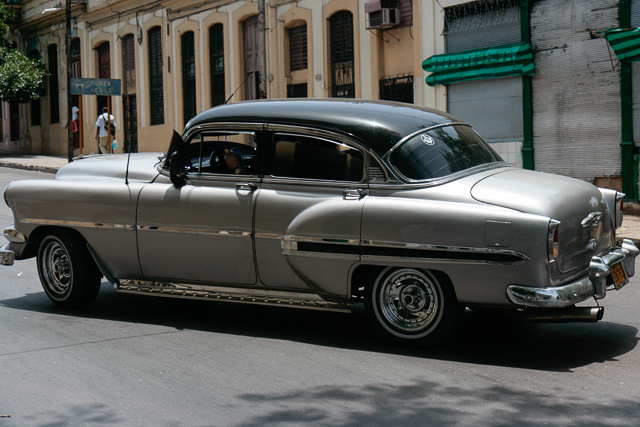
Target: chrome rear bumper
7,256
594,284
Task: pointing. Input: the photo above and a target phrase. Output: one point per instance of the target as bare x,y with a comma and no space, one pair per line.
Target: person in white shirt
102,135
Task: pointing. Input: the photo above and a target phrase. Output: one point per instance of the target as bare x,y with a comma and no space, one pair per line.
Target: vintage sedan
323,204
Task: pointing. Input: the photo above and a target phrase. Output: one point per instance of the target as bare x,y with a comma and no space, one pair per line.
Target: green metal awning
488,63
625,42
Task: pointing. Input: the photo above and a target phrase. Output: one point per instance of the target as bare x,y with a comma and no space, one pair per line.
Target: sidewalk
35,162
630,226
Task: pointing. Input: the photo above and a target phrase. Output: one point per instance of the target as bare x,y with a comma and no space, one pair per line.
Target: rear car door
308,215
203,232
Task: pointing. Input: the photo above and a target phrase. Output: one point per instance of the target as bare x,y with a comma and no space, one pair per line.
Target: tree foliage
21,78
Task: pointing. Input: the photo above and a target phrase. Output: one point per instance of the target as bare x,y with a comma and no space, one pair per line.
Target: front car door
202,232
308,216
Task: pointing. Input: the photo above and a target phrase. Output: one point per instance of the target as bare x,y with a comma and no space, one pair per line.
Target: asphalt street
129,360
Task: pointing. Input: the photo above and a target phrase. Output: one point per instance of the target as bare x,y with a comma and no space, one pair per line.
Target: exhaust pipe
563,315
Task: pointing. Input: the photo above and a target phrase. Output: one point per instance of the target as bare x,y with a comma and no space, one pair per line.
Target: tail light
553,239
619,208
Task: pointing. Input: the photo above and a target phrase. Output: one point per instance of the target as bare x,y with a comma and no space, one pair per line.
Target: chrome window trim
349,140
350,145
314,182
440,180
198,231
82,224
240,127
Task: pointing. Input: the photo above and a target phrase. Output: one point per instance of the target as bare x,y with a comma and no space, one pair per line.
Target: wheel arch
364,275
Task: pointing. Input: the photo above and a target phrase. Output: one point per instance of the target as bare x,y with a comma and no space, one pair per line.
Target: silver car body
264,238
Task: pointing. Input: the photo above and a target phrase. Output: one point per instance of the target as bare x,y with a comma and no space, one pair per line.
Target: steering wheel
218,162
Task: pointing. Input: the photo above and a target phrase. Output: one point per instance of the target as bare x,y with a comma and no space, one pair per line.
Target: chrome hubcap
409,300
56,268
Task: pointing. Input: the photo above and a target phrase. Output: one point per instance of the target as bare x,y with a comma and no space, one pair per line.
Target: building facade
568,107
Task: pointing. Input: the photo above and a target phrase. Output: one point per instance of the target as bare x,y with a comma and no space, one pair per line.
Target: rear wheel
412,307
67,272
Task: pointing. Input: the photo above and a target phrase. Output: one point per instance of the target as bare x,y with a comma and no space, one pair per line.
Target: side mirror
175,174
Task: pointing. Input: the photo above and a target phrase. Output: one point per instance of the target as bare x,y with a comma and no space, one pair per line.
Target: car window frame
442,179
223,127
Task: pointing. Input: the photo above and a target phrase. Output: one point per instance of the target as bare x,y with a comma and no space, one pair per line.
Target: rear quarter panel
448,219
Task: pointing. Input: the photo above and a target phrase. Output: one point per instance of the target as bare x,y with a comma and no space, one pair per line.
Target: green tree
21,78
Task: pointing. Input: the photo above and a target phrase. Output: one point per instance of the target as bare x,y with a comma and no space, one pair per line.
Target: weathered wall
576,91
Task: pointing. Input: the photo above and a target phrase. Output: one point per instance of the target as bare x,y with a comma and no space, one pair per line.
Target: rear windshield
442,151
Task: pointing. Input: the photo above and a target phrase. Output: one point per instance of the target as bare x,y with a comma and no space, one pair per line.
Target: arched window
216,59
54,93
342,63
188,76
155,76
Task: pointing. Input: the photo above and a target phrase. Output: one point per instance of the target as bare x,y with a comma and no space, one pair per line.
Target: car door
308,214
202,232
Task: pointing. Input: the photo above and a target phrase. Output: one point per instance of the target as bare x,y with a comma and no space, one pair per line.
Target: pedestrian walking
102,133
74,126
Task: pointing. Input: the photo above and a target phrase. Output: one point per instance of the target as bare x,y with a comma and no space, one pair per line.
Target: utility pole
70,144
262,52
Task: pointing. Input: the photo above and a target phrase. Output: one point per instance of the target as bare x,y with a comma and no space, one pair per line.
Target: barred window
54,93
398,89
297,90
155,76
298,48
216,59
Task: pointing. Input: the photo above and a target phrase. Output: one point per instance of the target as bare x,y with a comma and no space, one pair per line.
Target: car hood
567,200
142,167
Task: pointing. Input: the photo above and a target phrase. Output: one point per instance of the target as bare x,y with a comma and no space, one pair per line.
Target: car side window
295,156
222,153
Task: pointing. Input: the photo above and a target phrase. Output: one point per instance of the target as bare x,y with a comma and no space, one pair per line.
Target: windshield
442,151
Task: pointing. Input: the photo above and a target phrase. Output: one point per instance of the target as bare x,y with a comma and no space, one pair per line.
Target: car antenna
229,99
126,176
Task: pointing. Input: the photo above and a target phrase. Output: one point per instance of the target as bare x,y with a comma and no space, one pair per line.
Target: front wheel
412,307
67,272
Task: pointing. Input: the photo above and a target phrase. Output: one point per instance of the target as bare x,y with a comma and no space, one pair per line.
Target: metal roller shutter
576,91
635,78
492,106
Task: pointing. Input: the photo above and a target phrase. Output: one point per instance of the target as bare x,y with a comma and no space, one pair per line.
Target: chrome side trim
239,295
328,240
269,236
13,235
60,222
453,249
200,231
291,248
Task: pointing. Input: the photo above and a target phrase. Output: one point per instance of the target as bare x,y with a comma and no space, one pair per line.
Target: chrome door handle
246,186
353,194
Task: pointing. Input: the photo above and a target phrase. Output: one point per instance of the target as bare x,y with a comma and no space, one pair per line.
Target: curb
45,169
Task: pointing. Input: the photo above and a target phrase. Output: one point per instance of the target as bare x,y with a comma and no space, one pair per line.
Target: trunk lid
567,200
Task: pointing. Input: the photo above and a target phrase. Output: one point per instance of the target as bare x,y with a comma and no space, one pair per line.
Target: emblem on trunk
592,220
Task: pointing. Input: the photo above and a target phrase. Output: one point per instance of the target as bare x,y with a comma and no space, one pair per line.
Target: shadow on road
483,338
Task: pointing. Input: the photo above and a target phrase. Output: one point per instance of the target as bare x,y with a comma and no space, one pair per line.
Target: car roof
377,124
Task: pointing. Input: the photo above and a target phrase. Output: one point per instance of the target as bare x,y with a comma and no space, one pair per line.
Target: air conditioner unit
382,14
